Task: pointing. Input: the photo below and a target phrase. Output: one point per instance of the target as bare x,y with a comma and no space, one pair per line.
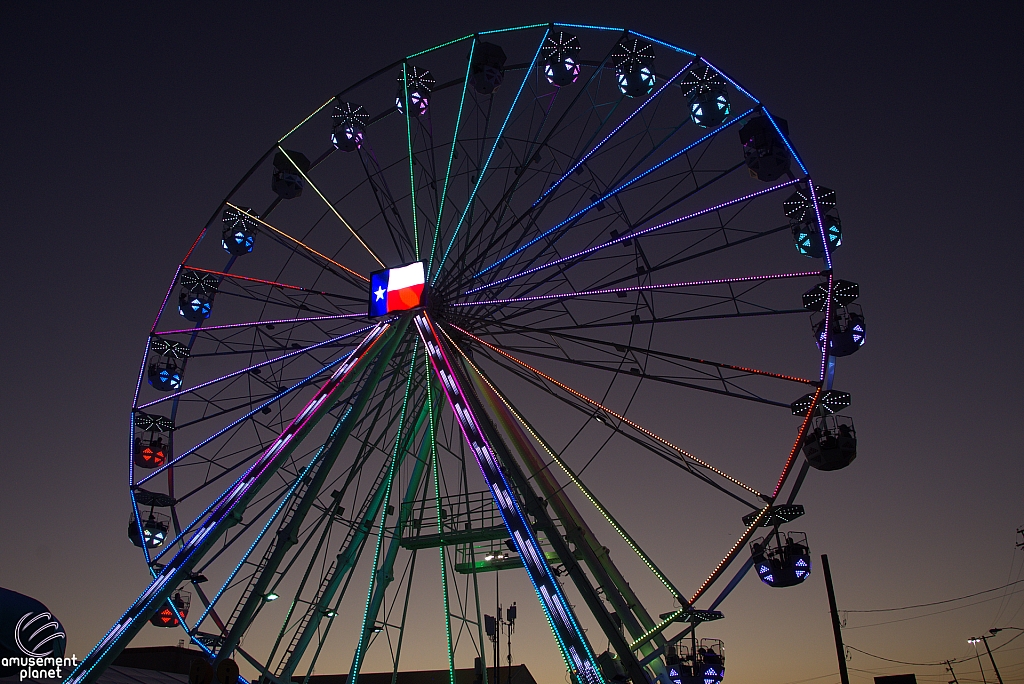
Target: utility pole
844,674
984,640
949,666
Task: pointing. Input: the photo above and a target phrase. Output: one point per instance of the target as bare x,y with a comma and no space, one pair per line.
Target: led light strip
636,234
638,288
607,410
490,155
608,137
243,371
575,648
451,156
256,280
298,242
579,483
616,190
258,323
159,590
332,208
440,526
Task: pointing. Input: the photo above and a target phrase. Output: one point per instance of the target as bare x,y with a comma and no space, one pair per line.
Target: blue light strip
237,495
248,415
729,79
785,139
587,26
243,371
587,156
270,521
663,43
494,146
576,650
611,193
635,234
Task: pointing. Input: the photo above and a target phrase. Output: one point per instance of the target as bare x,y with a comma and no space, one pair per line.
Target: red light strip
255,280
627,421
799,441
301,244
764,511
638,288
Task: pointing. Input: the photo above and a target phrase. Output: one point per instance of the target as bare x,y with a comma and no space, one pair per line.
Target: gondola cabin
782,559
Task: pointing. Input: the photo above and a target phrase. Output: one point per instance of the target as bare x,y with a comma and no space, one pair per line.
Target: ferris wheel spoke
296,242
617,416
261,405
249,369
620,348
641,288
382,195
653,446
593,150
614,192
556,127
729,389
532,148
483,170
576,257
256,324
332,208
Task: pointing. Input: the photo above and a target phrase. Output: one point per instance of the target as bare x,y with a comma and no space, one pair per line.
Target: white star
379,294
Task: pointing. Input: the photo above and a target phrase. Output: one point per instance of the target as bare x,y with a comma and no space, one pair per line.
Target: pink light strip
258,365
638,288
174,281
255,323
630,236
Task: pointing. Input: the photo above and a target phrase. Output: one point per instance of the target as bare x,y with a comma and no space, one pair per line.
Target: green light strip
657,629
514,28
318,110
357,661
451,155
483,170
440,530
583,488
438,47
412,176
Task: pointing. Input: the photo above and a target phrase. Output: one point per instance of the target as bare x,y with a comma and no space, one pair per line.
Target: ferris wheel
430,308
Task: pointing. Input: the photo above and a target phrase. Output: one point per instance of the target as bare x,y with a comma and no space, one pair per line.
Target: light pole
984,640
974,642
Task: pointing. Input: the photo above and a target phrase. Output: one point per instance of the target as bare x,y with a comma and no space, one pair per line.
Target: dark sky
123,127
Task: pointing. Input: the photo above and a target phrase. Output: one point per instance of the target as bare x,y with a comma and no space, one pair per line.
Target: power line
943,663
935,603
935,612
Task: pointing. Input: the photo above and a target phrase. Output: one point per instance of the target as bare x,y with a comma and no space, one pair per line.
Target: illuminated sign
397,289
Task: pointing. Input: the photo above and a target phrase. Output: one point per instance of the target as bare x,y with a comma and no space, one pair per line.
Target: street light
271,596
983,639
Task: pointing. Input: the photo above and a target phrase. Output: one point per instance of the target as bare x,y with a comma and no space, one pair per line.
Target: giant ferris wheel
433,310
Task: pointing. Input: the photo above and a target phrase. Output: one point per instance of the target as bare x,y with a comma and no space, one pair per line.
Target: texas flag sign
396,289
